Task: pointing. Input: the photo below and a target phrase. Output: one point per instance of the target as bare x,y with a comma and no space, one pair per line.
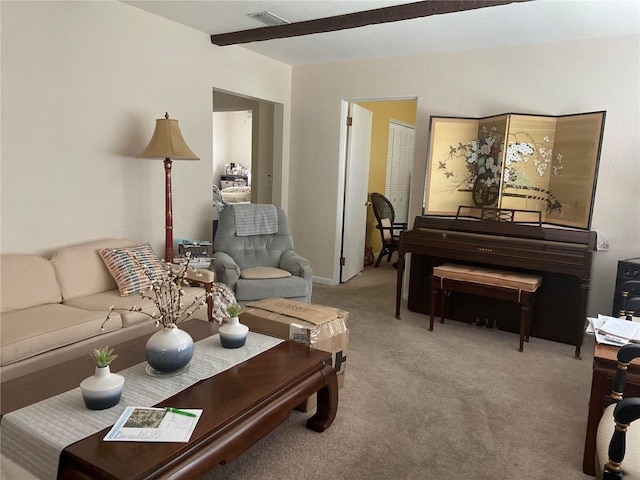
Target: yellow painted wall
383,112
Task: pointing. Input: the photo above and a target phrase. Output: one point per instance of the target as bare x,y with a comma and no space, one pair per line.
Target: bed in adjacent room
236,194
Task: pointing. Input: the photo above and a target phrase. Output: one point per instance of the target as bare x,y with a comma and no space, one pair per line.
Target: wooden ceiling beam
394,13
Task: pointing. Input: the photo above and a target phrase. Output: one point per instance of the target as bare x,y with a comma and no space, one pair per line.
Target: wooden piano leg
529,319
524,314
434,297
399,277
584,297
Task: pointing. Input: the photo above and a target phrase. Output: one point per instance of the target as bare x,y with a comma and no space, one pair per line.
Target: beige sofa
51,310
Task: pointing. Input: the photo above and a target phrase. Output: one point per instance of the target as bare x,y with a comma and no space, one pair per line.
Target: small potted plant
234,310
103,356
103,389
233,334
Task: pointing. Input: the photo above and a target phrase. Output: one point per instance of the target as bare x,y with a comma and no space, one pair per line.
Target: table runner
34,436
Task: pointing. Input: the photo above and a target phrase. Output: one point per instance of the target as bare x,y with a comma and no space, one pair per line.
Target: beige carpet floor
457,403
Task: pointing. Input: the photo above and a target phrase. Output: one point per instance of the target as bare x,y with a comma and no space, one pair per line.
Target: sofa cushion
81,271
487,276
32,331
27,281
289,287
133,268
103,300
261,273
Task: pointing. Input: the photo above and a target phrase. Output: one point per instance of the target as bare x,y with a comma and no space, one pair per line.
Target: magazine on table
151,424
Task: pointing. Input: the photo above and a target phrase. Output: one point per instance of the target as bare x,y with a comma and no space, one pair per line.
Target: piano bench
499,284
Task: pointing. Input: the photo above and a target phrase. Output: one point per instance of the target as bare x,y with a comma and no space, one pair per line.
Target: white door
356,192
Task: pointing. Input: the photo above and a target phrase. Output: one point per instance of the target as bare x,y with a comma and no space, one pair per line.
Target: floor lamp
167,143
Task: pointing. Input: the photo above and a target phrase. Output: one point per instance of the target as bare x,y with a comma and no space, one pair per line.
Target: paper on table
592,325
617,331
594,329
137,424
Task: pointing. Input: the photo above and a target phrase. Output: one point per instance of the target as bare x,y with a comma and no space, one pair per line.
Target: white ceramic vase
233,334
102,390
169,350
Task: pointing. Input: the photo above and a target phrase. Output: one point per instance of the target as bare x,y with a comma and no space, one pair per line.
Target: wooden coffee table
240,406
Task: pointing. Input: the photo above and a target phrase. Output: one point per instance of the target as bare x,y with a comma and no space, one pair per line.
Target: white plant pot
233,334
103,389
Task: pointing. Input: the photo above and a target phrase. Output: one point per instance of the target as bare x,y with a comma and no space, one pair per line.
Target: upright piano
563,257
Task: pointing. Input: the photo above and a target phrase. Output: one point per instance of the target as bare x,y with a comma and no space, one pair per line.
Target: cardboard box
318,326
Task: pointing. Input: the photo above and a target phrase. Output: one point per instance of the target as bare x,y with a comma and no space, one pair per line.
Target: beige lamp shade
167,142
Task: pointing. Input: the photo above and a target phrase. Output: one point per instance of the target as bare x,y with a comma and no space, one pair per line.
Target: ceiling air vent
269,18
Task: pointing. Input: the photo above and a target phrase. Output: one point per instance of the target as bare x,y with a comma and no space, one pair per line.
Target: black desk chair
389,229
630,292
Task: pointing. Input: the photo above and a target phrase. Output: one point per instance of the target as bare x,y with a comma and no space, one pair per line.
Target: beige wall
231,140
550,79
82,85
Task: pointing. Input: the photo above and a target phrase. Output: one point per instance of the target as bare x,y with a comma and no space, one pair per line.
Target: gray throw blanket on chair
255,219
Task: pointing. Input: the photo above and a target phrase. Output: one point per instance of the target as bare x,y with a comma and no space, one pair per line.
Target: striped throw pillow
133,268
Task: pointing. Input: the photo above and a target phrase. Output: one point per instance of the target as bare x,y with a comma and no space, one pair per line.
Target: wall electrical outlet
603,243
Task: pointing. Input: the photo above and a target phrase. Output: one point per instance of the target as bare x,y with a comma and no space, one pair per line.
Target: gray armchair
254,255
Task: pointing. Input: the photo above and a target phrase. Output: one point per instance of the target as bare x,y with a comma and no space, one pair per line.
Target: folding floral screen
516,161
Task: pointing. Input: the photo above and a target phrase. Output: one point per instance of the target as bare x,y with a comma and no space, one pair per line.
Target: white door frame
342,174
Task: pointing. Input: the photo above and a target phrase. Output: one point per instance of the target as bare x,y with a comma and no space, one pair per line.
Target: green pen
180,412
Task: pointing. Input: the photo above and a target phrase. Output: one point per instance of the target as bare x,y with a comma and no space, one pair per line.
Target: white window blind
400,168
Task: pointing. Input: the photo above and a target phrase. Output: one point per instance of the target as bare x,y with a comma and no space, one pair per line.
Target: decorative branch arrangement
167,293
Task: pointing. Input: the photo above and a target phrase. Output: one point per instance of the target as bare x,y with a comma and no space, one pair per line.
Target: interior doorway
264,177
387,114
